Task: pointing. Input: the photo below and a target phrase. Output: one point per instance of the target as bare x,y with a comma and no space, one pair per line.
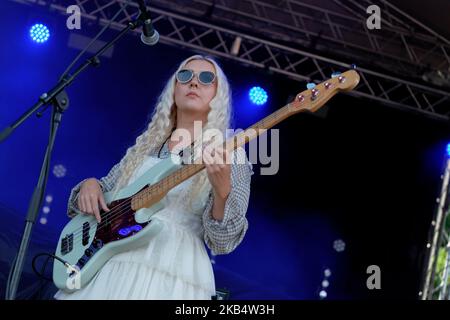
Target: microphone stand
58,98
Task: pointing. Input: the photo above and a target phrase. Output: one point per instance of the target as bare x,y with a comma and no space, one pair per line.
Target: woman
209,206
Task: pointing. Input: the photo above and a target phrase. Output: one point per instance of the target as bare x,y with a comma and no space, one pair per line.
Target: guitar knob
314,94
81,262
341,79
327,85
88,252
97,244
310,85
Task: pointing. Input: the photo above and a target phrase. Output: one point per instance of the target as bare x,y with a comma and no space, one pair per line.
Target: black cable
39,292
49,255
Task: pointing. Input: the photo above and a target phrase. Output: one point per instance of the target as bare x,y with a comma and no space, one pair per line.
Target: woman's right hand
89,198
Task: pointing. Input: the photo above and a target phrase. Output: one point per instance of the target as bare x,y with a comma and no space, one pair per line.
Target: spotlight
339,245
325,284
49,198
448,150
39,33
258,95
59,171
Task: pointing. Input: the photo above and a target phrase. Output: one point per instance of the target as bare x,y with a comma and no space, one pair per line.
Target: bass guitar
86,245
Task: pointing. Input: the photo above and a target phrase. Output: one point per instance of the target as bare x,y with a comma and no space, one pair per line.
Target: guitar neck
258,128
309,100
185,172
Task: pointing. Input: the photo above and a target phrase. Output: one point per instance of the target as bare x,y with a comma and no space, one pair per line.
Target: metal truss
435,282
203,34
402,44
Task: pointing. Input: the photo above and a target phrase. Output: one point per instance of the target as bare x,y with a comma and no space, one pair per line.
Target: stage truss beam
276,57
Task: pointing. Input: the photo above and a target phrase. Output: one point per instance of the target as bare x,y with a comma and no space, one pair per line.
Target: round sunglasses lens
184,75
206,77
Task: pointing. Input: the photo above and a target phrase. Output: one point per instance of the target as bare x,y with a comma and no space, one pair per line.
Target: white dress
174,264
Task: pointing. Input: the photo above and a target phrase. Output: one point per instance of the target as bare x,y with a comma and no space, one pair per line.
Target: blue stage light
39,33
258,95
448,149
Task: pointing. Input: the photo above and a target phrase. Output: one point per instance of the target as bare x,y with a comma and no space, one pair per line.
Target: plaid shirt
221,237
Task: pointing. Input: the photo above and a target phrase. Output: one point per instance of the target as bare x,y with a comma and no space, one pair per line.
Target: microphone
149,35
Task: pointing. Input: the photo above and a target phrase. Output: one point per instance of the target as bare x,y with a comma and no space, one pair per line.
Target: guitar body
88,245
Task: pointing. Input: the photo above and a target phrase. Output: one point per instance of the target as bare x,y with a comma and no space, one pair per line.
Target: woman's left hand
218,166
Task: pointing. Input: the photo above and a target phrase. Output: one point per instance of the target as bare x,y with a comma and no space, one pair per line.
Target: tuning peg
314,94
335,74
300,98
310,85
341,79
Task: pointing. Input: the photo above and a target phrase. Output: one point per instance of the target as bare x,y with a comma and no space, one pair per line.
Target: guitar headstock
314,98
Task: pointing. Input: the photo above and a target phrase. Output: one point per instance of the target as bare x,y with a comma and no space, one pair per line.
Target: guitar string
114,214
164,183
118,214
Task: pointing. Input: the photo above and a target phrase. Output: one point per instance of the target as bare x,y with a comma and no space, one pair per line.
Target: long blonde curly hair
163,122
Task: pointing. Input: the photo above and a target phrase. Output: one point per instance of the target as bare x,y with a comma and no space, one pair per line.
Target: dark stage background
360,172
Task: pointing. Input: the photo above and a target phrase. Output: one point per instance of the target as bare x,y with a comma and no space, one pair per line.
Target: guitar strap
189,148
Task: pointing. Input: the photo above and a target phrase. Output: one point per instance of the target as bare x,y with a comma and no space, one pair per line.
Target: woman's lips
192,94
